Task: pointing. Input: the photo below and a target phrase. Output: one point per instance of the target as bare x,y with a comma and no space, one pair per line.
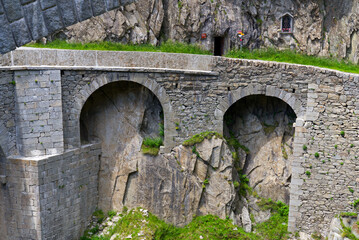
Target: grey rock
13,9
52,19
21,32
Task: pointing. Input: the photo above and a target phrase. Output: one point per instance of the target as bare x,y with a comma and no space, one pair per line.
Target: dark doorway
218,46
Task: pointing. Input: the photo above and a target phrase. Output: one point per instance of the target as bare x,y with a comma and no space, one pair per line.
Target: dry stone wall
193,100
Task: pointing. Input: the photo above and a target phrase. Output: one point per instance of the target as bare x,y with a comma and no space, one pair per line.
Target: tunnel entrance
120,115
263,128
219,43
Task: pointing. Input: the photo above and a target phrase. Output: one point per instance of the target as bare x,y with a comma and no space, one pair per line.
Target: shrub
342,133
316,155
305,147
308,173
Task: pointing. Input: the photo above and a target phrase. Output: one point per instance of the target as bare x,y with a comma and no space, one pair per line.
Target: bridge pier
39,113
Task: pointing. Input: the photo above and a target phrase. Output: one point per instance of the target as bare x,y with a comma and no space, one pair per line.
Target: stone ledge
110,69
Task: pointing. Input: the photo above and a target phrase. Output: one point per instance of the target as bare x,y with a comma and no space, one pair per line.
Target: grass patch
291,56
276,226
169,46
198,138
141,224
151,146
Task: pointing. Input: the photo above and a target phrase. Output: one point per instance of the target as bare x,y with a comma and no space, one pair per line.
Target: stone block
7,43
45,4
99,6
13,9
112,4
83,8
1,9
52,19
35,20
68,12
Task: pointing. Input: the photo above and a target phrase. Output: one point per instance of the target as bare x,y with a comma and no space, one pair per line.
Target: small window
287,23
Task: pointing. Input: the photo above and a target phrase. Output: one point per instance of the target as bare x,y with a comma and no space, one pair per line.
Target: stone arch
257,89
139,78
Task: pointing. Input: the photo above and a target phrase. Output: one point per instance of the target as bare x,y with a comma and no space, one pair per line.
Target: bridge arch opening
263,128
120,115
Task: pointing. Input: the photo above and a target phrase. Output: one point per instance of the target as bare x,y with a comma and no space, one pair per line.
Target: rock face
325,28
264,126
174,186
120,115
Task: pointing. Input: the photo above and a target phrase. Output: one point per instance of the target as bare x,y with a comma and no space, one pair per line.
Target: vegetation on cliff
141,224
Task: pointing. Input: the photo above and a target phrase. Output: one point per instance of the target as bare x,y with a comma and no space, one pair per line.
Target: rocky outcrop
263,126
325,28
181,184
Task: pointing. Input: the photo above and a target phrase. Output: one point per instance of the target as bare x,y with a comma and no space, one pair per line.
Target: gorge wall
320,27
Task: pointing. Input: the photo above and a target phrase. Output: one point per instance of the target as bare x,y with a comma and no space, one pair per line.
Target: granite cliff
319,27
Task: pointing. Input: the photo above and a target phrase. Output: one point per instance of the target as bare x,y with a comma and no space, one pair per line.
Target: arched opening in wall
120,115
261,128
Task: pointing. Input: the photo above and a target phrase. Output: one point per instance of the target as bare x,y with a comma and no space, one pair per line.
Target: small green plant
206,181
13,82
61,186
99,215
308,173
342,163
111,213
351,145
305,147
356,203
336,146
194,150
124,209
316,155
36,81
348,214
151,146
161,130
351,189
342,133
236,184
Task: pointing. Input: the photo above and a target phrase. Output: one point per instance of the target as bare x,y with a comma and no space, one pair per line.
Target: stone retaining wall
24,20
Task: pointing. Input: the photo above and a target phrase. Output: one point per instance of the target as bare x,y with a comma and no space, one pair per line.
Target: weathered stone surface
42,17
264,126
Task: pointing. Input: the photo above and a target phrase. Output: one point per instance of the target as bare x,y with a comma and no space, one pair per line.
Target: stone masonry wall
7,109
50,197
39,113
325,102
68,192
24,20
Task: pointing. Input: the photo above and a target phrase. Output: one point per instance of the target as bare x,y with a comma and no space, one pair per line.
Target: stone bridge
22,21
49,180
